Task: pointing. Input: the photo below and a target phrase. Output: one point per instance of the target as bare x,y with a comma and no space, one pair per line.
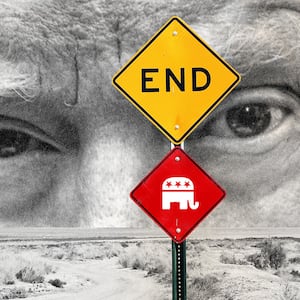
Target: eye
19,137
247,120
13,142
250,120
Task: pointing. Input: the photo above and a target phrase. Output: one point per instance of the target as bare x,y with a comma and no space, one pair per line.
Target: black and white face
72,148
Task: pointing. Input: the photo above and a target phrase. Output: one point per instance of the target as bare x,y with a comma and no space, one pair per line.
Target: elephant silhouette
178,190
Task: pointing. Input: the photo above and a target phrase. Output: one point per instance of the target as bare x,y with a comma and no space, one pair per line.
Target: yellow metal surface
176,80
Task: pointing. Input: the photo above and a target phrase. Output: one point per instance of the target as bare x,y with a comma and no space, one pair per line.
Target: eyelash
18,137
14,143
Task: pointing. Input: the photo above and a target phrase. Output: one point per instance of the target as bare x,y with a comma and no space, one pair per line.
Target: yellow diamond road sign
176,80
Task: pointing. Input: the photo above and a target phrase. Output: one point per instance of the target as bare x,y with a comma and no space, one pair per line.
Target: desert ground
41,267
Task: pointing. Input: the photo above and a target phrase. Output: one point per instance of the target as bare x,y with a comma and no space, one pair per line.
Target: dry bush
290,293
23,267
6,277
203,288
295,273
82,251
150,257
30,275
15,293
229,258
57,283
196,245
295,260
271,255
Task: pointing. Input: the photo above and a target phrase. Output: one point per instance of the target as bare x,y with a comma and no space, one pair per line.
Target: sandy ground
245,282
95,270
107,281
87,275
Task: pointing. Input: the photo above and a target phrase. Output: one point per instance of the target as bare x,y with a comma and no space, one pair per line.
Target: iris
249,120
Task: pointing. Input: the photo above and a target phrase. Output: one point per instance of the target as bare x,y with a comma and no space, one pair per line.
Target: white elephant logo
178,190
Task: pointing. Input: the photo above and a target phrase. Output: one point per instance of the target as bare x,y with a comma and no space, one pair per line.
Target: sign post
179,270
176,80
179,288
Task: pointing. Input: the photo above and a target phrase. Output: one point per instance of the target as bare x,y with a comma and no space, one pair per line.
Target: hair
17,81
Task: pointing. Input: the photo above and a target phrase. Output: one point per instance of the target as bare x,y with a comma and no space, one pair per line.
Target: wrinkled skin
57,60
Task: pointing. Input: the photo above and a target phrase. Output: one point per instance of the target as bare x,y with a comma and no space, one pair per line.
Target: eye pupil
12,142
249,120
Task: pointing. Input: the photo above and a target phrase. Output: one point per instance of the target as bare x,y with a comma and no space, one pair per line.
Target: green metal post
179,270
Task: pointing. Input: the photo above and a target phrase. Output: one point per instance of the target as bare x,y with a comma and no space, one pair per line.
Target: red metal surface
177,194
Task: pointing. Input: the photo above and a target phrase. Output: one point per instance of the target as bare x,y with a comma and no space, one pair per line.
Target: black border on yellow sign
209,110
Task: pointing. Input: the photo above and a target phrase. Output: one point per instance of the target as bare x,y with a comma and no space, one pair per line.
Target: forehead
61,42
100,24
61,25
57,40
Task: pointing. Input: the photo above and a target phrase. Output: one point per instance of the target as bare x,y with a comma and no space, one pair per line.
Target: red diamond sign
177,194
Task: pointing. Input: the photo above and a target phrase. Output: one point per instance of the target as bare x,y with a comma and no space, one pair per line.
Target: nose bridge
104,183
118,147
110,166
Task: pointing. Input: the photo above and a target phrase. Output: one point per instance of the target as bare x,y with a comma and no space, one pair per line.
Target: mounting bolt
178,230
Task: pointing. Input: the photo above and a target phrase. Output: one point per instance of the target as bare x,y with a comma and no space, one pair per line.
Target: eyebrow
276,4
16,82
265,37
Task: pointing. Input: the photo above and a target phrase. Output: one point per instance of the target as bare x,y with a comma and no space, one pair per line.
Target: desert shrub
145,257
193,264
123,261
203,288
295,260
259,261
141,262
23,267
227,258
7,278
228,296
138,264
271,255
196,245
290,293
57,283
295,273
56,253
124,244
139,243
159,269
71,251
28,274
14,293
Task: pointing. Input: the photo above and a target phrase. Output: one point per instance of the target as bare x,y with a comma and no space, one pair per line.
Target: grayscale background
72,148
